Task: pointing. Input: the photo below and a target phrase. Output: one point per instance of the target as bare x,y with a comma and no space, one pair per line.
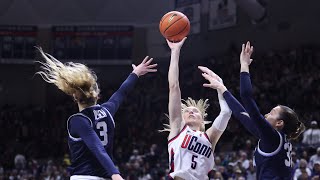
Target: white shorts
86,177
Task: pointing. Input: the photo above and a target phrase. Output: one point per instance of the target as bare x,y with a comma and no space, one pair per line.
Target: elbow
245,94
225,115
226,112
174,85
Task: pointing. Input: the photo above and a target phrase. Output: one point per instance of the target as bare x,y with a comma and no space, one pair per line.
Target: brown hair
293,127
74,79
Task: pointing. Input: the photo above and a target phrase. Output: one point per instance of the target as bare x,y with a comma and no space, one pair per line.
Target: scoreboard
92,42
17,42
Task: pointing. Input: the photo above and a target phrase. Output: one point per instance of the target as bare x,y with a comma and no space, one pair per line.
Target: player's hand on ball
177,45
246,52
144,67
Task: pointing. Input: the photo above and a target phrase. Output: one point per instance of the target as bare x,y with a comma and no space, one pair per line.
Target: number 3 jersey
276,164
190,155
83,161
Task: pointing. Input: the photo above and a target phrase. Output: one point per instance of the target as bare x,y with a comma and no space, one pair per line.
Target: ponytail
293,127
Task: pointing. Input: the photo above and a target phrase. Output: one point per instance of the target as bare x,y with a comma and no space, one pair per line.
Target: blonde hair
201,105
74,79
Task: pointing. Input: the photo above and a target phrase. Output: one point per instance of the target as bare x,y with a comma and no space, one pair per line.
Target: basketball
174,26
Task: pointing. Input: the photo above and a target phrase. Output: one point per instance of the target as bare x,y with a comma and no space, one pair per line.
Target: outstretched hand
215,82
144,67
245,56
176,45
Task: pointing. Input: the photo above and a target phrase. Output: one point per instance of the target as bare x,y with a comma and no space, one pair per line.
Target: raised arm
174,106
269,136
117,98
245,86
220,123
238,111
80,127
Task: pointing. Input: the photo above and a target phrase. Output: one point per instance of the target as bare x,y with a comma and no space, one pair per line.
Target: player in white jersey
190,146
190,155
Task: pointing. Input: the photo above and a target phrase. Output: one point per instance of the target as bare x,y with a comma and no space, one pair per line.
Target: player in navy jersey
274,130
91,130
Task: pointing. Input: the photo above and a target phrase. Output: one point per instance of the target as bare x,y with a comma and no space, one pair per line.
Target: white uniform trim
77,114
85,177
114,124
274,152
190,155
172,139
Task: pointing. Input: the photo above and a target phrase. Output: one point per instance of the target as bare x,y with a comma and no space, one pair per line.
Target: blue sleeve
117,98
240,113
269,137
80,127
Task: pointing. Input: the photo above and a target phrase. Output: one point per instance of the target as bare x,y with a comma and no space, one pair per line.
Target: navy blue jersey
83,161
276,164
273,153
91,134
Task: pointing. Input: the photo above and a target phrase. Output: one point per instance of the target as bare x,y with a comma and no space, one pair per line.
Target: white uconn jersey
190,155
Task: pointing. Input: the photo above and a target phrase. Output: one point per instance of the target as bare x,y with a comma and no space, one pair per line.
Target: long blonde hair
74,79
200,104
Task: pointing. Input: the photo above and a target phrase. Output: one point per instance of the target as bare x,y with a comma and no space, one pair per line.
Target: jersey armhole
77,114
114,124
206,135
172,139
271,153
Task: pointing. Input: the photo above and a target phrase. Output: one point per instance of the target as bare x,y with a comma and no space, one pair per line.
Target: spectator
243,160
295,161
302,171
20,162
217,176
251,171
316,170
311,137
314,158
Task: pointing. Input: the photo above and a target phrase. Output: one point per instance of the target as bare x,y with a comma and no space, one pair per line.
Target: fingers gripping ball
174,26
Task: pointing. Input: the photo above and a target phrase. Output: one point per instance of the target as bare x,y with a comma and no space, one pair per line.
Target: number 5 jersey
190,155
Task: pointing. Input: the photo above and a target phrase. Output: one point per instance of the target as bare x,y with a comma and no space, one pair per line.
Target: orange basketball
174,26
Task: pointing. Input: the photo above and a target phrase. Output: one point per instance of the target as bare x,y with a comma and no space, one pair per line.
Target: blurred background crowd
110,35
33,144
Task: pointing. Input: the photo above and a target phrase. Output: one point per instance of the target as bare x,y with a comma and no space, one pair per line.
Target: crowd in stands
33,140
